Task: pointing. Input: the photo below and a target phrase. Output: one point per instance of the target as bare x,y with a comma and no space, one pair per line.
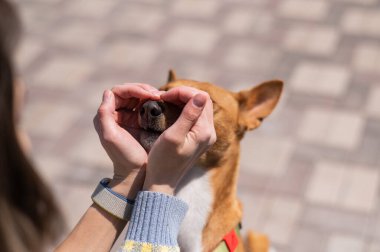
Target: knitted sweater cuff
156,218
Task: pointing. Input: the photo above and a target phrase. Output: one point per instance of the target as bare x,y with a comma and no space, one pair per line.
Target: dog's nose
150,109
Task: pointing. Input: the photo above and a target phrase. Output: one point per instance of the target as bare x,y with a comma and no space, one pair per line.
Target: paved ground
310,175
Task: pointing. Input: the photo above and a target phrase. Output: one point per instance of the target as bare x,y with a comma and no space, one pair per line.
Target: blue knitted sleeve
155,223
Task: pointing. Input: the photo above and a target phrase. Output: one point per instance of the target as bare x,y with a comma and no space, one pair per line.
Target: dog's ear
257,103
172,76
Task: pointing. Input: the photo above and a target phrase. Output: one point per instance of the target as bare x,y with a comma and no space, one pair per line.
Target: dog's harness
230,240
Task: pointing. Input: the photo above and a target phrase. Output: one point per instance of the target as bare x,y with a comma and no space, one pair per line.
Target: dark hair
29,216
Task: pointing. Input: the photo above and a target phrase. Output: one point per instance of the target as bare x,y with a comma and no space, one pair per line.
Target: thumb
105,114
189,116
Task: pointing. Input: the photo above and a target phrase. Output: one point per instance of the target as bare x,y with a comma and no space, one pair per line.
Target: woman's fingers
104,121
121,103
203,131
138,90
147,87
189,116
128,95
180,95
209,113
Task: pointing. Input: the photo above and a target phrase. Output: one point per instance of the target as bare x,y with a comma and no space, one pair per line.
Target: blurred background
309,176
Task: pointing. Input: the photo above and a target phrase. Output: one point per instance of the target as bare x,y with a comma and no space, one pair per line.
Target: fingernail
106,96
199,100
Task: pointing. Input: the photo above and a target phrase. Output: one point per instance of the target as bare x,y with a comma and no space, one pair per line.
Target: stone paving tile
358,21
195,9
373,102
87,38
362,189
50,168
50,120
345,243
360,2
90,151
342,185
152,2
28,52
63,73
94,94
250,56
255,157
282,216
325,184
33,19
308,239
81,195
319,41
292,182
131,54
95,9
277,217
198,70
368,153
340,129
305,10
192,38
355,96
128,19
374,247
241,21
333,220
48,1
366,58
376,230
252,213
323,79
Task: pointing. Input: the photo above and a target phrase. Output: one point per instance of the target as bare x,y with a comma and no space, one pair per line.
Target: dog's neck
226,211
213,206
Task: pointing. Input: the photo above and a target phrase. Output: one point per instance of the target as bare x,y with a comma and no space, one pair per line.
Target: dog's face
154,118
234,114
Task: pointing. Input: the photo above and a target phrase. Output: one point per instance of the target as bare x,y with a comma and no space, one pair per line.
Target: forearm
97,230
155,223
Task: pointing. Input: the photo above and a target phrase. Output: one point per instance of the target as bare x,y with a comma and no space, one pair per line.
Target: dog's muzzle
151,116
155,117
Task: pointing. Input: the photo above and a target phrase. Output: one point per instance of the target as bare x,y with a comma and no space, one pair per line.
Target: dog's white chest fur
195,189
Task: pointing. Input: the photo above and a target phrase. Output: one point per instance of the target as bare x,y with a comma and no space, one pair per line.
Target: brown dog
210,187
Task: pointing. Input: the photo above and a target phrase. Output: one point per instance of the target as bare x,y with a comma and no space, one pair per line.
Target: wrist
161,188
128,185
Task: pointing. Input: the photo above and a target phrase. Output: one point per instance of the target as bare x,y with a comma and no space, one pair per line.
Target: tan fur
234,114
257,242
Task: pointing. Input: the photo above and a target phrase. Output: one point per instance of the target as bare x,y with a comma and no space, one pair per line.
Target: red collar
230,241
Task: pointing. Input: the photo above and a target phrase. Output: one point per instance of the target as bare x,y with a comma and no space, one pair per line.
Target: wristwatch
112,202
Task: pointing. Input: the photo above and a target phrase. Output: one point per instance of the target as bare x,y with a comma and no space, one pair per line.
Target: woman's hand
180,146
116,123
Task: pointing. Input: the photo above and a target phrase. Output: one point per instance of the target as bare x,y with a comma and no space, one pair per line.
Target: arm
157,215
97,230
155,223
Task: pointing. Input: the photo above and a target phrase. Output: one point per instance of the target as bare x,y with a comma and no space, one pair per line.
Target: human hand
180,146
116,125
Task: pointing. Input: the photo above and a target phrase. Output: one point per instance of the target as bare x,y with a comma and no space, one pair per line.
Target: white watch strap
112,202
